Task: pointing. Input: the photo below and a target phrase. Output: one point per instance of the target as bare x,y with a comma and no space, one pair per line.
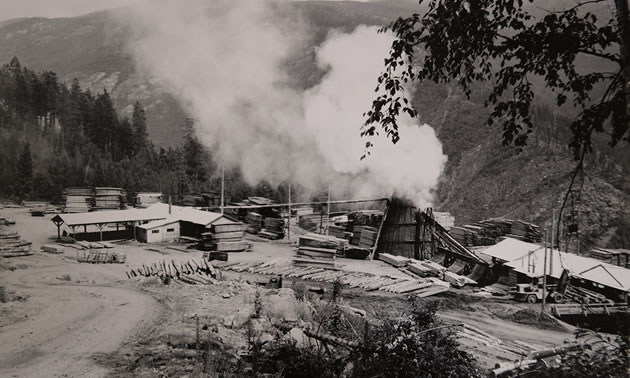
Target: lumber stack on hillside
11,245
490,231
224,238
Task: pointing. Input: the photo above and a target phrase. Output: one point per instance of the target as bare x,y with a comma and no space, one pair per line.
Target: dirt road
74,323
64,325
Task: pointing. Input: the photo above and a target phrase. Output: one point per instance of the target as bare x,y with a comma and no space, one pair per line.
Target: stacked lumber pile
364,236
371,218
6,221
273,229
189,272
397,261
78,200
580,295
224,238
337,231
490,231
12,246
146,199
108,198
254,223
215,256
94,256
314,249
401,285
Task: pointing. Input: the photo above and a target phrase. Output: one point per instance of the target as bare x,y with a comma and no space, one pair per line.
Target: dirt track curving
68,326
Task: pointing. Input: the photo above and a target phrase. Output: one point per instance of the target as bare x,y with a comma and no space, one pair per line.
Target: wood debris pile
427,268
94,256
189,272
512,347
224,238
422,287
11,245
490,231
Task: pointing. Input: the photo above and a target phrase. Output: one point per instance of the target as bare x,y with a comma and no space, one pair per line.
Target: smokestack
170,205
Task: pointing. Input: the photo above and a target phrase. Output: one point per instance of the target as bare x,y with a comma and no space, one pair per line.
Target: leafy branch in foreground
504,44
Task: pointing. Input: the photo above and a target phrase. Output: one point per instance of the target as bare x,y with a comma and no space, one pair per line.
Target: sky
55,8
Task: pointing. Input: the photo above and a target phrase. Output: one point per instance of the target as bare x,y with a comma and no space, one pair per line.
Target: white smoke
223,60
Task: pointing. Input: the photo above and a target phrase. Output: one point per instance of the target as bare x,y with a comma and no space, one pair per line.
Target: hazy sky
55,8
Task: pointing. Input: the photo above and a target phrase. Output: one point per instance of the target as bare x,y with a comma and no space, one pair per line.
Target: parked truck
534,293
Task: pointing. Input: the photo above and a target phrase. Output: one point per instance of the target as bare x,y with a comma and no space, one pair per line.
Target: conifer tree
23,184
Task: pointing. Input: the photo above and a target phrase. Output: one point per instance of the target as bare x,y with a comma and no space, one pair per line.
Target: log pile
580,295
490,231
11,245
421,287
224,238
189,272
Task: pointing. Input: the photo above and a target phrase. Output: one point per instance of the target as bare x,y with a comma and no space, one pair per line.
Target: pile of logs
12,246
189,272
580,295
224,238
489,232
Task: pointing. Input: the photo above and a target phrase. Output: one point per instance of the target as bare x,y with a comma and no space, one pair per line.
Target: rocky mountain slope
482,178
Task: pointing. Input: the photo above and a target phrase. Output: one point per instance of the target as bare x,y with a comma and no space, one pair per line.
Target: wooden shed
158,231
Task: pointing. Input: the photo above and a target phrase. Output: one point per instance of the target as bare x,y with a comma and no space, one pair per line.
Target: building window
155,231
170,230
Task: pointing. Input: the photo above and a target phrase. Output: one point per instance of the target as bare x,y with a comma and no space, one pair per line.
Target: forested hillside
53,136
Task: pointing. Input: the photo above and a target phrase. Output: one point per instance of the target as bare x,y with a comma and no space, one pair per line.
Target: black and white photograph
314,188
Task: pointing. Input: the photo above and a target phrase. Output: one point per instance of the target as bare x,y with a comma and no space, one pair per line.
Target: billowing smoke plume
223,60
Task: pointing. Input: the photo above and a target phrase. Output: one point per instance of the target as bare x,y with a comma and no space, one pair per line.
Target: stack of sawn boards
274,229
224,238
12,246
426,268
490,231
254,223
401,285
315,249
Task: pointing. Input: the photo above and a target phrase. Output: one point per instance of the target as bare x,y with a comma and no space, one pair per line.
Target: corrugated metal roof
528,258
154,212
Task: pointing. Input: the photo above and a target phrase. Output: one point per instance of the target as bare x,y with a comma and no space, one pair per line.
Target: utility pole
289,222
553,220
544,290
328,210
222,188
